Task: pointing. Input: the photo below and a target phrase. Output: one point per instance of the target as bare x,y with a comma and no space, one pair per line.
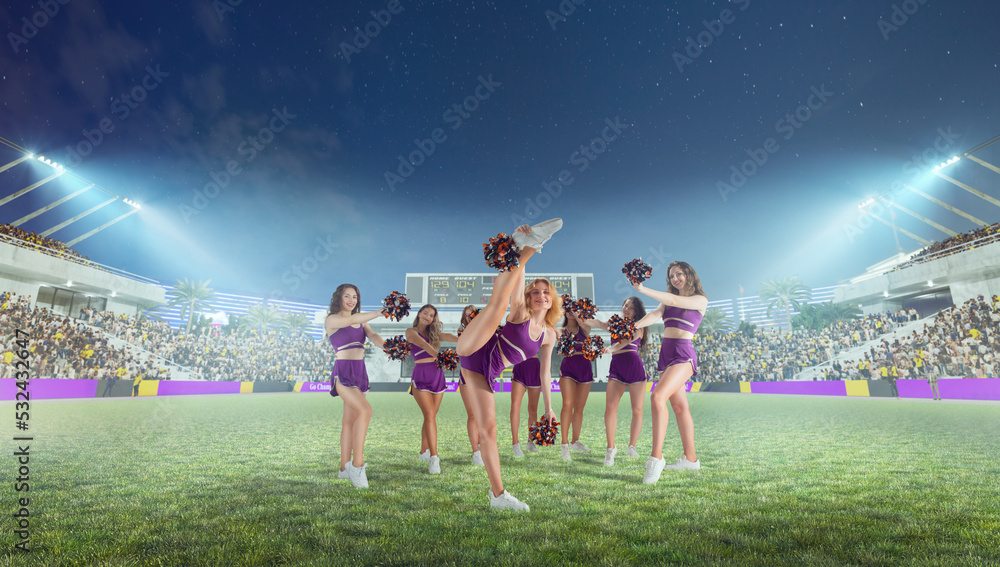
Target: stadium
166,259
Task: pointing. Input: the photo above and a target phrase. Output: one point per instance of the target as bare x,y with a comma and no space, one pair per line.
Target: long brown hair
433,330
693,282
335,300
640,312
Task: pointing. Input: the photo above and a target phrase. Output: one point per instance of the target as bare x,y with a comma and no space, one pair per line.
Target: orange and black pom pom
396,347
501,253
621,329
396,306
637,272
447,359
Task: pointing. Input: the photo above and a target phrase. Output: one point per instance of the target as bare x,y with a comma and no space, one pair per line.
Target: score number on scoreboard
476,290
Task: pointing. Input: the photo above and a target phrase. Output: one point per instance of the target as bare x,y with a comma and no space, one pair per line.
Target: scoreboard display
475,289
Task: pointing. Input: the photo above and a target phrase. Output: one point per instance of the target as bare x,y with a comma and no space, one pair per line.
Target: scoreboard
474,289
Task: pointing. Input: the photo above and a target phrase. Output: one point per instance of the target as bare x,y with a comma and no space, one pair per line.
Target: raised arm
693,302
616,347
449,338
595,323
334,321
650,318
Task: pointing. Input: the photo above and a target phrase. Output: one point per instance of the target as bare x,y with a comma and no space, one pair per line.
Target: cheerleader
470,423
526,377
682,308
485,353
627,372
427,386
576,376
346,327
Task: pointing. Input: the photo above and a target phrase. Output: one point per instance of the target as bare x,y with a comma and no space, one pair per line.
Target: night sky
282,148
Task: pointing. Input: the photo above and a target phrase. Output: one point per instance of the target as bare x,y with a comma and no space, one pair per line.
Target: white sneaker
477,459
344,474
578,446
539,235
631,452
609,457
532,448
518,453
565,452
683,464
435,467
654,467
357,475
426,456
506,502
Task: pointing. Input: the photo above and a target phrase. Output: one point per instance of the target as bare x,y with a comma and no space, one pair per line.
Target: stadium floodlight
885,293
864,204
114,293
69,283
930,283
132,203
947,163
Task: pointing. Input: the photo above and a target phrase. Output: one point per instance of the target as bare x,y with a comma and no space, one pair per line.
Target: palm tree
296,323
786,293
191,296
261,316
146,310
834,312
715,319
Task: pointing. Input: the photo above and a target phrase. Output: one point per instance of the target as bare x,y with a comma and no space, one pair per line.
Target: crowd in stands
61,347
768,355
954,245
961,341
56,247
213,354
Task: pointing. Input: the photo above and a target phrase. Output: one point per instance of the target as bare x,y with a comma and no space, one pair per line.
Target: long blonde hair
555,312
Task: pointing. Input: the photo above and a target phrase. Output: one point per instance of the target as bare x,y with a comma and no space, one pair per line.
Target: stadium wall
950,389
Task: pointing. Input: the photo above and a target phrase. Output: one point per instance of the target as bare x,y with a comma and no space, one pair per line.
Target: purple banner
315,387
50,388
172,388
952,388
825,388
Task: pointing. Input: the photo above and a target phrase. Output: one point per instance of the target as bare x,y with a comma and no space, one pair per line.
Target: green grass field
252,480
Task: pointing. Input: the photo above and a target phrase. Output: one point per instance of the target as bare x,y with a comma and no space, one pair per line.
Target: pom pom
637,271
544,433
501,253
447,359
396,347
621,329
584,308
568,303
566,345
592,347
396,306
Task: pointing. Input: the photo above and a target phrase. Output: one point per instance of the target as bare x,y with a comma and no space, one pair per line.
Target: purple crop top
516,343
683,319
632,346
348,337
417,352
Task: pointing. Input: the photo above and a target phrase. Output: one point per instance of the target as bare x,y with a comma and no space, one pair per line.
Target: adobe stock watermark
697,44
566,9
363,36
249,149
31,26
581,158
899,17
454,116
300,271
121,109
787,125
913,169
